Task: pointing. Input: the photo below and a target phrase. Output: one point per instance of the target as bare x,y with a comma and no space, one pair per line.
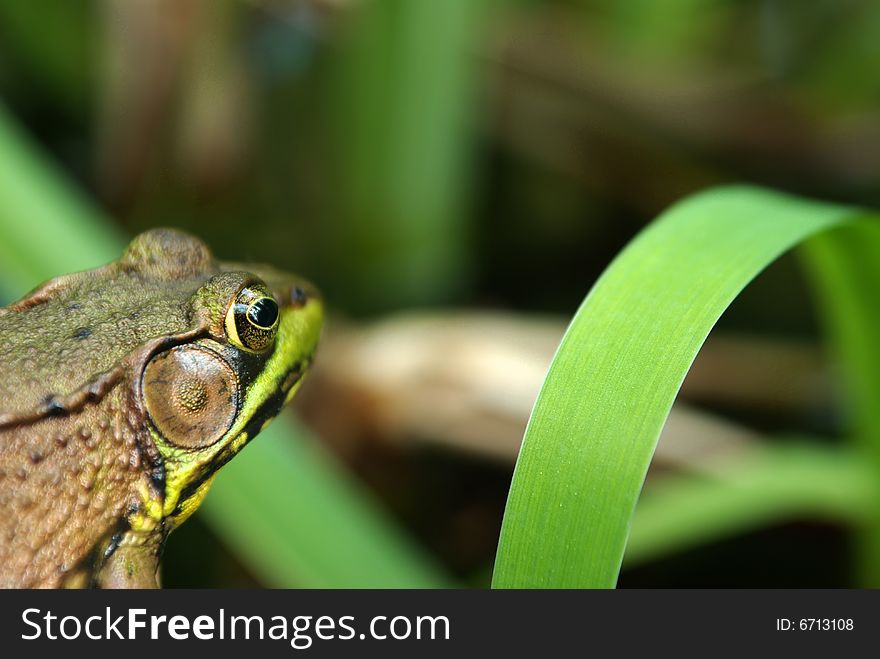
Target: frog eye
252,319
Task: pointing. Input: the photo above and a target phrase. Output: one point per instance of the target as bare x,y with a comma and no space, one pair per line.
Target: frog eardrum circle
252,319
191,395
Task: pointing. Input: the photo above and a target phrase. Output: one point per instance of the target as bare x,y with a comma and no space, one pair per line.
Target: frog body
124,390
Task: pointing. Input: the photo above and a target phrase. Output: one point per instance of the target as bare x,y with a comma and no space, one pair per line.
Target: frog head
170,362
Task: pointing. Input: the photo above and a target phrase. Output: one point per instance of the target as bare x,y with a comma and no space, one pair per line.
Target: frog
125,389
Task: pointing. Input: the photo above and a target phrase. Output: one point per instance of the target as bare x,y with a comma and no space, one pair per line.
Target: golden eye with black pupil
263,313
252,319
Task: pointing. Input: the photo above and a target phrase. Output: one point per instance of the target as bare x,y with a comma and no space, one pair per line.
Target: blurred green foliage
404,119
416,152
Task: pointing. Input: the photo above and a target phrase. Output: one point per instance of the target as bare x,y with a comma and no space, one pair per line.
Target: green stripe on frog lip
270,407
293,376
279,396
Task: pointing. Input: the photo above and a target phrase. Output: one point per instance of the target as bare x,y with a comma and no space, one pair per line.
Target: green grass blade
845,266
778,483
294,516
618,369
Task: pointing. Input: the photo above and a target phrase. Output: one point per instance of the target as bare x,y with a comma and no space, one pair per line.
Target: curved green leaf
620,365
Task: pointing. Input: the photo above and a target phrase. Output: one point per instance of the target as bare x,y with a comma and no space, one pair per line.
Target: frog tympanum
124,389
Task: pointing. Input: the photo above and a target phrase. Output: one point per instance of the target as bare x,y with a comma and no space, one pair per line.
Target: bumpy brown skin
76,457
53,511
73,461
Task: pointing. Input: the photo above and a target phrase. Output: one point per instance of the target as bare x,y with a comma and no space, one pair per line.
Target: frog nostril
298,296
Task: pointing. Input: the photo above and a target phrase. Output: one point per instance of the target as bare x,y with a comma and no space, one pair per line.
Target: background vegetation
467,154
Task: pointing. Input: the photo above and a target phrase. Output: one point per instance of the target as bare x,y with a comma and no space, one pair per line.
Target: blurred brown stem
468,381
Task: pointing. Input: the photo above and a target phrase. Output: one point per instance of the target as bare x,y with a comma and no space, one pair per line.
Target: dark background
469,155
